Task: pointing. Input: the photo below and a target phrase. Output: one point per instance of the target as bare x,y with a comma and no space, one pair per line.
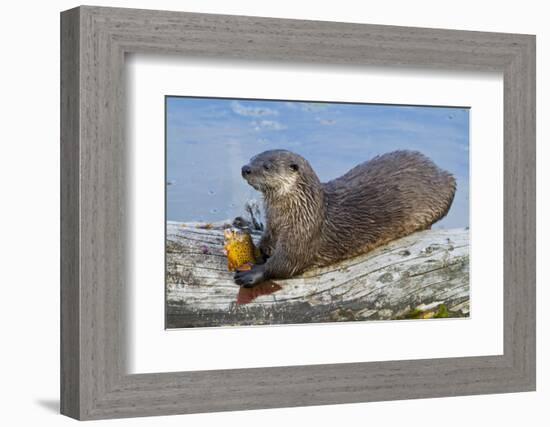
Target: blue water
208,140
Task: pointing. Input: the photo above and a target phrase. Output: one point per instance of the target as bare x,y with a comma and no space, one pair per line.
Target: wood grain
70,220
413,276
95,275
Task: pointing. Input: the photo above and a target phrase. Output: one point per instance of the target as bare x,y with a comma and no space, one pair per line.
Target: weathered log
422,275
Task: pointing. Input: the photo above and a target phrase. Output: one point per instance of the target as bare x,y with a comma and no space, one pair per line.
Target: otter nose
246,170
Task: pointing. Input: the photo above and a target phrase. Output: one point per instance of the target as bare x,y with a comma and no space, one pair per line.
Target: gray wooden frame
94,382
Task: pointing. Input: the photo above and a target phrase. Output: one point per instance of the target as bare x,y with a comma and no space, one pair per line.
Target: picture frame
94,380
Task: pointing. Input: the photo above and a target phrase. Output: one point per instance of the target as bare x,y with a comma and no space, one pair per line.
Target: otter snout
246,170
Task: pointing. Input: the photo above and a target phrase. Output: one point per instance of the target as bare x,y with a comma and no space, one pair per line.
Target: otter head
279,173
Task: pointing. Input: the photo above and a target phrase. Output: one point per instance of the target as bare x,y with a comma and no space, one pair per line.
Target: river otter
312,224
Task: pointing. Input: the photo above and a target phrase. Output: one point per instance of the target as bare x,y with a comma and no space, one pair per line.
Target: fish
241,252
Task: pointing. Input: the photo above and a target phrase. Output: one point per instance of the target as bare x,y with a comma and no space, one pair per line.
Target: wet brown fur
309,223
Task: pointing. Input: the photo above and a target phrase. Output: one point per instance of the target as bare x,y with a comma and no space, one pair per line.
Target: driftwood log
422,275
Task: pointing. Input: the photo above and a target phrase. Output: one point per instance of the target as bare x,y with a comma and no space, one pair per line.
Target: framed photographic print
347,211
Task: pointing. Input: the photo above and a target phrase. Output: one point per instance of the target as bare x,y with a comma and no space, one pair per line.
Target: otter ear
294,167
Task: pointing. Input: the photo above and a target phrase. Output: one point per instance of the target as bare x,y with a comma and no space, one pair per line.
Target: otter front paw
262,258
251,277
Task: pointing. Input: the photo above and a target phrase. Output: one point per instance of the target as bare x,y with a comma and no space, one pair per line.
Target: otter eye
294,166
266,166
